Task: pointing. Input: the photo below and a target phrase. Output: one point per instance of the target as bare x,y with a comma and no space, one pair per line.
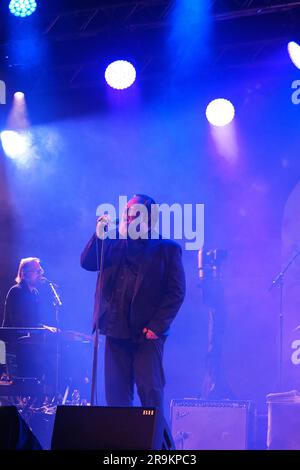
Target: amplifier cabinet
283,426
209,424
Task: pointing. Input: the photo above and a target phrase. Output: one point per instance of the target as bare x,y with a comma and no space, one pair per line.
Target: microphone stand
96,335
279,282
57,304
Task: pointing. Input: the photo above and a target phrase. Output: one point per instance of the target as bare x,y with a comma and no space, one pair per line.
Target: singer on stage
143,287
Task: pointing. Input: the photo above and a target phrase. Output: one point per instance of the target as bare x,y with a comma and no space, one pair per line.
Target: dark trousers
128,363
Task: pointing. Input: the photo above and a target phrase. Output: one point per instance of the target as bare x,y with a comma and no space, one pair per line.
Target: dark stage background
92,144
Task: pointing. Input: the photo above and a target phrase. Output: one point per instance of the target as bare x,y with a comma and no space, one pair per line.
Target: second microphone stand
279,282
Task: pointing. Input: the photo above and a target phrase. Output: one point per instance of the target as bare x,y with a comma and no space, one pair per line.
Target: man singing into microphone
143,287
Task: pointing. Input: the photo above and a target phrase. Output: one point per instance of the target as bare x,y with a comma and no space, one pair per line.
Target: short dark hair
151,206
147,200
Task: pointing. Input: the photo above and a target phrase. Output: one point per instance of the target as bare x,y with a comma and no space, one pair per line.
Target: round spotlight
22,8
19,95
294,53
220,112
120,74
15,144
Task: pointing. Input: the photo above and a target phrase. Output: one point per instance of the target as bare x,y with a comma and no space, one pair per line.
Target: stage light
22,8
120,74
17,118
16,145
220,112
19,95
294,53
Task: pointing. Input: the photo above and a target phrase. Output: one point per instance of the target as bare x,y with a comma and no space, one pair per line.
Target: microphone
109,221
103,222
201,263
57,300
53,287
44,279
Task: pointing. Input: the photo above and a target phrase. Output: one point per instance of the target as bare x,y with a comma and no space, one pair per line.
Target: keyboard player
22,305
26,307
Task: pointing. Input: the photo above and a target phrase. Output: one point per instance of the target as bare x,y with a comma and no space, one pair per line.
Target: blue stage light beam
22,8
190,31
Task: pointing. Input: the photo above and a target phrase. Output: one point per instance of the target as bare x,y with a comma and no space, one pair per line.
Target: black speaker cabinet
206,425
106,428
14,432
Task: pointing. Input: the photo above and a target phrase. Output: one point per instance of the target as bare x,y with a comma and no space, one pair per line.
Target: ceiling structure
82,37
